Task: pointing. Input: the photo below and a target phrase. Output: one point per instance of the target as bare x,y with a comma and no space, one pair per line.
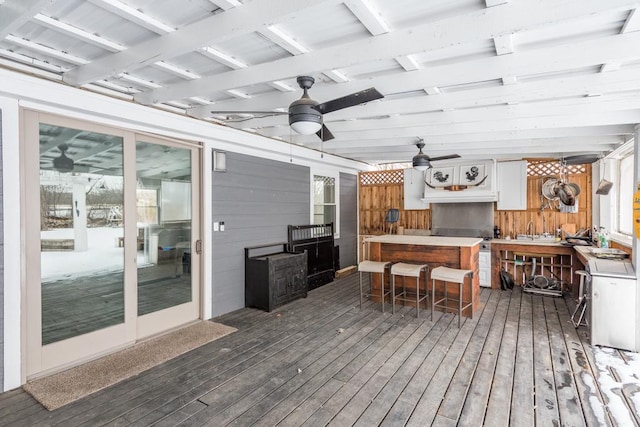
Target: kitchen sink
536,237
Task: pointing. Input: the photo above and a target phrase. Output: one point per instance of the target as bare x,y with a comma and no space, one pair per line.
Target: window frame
329,174
610,204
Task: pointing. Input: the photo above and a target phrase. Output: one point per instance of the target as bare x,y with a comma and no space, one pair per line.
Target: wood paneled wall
545,214
377,196
382,190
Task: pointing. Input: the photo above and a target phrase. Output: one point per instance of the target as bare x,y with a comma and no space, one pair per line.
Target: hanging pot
575,187
604,186
548,189
566,194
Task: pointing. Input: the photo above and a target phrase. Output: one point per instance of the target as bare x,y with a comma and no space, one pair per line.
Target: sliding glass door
112,225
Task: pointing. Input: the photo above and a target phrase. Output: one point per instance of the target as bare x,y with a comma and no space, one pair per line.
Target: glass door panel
167,213
163,194
81,232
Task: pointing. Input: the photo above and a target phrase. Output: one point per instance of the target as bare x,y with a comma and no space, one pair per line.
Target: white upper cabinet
512,185
469,181
414,190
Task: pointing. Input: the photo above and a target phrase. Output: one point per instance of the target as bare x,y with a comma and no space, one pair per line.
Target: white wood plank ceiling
501,79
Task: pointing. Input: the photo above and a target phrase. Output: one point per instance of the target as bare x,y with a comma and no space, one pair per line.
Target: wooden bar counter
436,251
554,258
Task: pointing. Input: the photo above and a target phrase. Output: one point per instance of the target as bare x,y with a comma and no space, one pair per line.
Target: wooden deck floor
322,360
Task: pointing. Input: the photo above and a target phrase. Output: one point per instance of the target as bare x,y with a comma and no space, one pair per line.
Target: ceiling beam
235,22
370,18
14,13
486,23
559,108
613,132
631,24
570,56
497,125
435,149
523,92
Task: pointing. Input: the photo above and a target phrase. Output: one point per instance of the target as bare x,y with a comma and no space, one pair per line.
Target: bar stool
450,275
583,295
373,267
408,270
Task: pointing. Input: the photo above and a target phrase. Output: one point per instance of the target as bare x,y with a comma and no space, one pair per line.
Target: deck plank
547,412
477,397
359,366
499,407
522,400
429,403
591,400
458,389
565,387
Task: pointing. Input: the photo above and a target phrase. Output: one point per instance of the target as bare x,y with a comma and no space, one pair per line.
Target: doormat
68,386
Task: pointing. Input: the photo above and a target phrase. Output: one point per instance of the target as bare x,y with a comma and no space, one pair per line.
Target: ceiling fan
62,163
305,114
422,162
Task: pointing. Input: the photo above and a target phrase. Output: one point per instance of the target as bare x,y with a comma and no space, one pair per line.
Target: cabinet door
280,283
414,190
512,185
484,273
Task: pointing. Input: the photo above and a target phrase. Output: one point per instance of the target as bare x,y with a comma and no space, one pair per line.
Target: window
625,195
325,200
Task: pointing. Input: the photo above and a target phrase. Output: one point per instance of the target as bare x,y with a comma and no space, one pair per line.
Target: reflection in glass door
166,221
110,246
81,232
163,194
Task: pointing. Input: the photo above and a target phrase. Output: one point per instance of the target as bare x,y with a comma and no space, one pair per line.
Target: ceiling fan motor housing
305,110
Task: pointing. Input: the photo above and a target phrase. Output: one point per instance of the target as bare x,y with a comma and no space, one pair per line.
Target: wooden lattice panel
546,168
382,177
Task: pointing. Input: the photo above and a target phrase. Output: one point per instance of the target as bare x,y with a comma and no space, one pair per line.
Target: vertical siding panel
256,198
348,219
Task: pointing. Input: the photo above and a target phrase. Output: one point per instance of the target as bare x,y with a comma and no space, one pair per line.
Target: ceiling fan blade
325,134
274,113
450,156
361,97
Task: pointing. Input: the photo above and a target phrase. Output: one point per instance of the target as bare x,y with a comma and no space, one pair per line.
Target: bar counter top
426,240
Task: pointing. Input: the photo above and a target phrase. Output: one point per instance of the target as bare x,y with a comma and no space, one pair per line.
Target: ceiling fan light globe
306,128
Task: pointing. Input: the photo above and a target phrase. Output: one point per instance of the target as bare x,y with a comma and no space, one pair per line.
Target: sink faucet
530,223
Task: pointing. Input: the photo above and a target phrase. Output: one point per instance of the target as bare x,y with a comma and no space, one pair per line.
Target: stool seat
406,269
449,274
373,266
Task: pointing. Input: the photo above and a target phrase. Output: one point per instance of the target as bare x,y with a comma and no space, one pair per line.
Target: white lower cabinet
484,274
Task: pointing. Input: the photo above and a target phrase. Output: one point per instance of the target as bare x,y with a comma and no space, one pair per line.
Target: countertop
528,242
426,240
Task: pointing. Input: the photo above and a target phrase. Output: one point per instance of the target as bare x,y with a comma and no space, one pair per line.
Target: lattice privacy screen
546,168
382,177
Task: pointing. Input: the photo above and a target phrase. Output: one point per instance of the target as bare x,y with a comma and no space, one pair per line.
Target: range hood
466,182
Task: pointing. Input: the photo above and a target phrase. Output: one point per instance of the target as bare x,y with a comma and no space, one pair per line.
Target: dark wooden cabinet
317,241
273,276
